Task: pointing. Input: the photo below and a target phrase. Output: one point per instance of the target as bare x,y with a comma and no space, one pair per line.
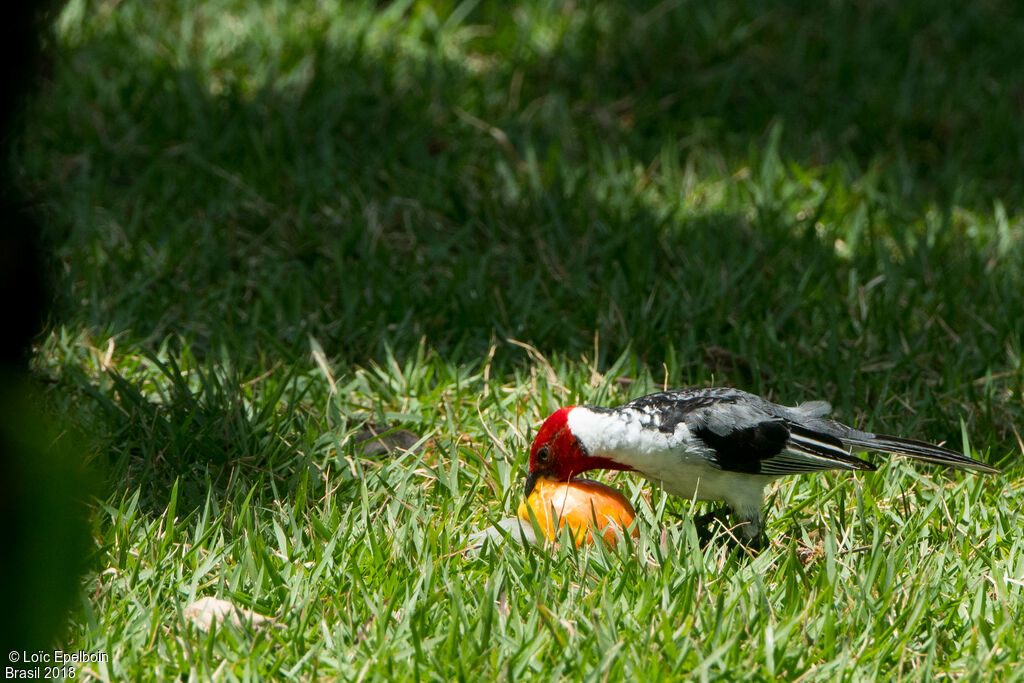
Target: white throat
626,436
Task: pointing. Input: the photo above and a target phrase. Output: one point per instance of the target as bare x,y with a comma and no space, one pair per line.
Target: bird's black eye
544,455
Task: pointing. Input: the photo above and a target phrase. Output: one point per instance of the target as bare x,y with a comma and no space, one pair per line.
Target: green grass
276,222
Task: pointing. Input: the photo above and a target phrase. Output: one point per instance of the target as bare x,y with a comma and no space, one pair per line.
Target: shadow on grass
358,200
928,92
200,431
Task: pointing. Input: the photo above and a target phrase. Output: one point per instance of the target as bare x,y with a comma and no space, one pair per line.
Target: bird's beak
531,481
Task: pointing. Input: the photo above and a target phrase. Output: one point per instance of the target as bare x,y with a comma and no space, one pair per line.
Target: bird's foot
708,518
706,525
734,536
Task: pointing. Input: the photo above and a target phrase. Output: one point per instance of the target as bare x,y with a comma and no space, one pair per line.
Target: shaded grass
304,159
275,223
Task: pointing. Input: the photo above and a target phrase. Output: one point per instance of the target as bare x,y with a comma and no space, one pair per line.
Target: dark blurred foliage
41,484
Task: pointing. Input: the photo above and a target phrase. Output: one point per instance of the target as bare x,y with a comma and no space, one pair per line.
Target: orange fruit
583,504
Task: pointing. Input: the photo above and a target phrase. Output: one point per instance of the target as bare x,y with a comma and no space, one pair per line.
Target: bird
715,444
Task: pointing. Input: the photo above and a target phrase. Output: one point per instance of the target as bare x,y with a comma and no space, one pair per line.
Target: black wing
746,433
777,447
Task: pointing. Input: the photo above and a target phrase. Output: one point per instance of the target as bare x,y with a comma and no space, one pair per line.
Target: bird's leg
748,533
717,514
705,524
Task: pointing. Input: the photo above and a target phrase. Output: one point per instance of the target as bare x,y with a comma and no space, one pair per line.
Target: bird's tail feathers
919,450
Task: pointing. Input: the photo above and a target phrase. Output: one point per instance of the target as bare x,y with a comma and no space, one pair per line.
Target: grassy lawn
280,226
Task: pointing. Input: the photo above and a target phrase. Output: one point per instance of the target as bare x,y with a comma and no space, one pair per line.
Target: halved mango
583,504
